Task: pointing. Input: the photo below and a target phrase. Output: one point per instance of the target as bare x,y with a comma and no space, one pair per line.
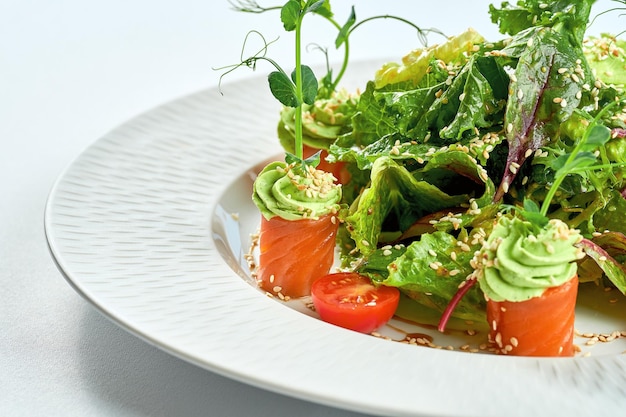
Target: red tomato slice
350,300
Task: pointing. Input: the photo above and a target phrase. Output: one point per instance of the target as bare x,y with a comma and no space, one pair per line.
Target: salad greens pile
451,139
440,144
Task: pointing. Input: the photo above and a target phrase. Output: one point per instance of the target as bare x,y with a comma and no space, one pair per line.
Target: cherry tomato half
350,300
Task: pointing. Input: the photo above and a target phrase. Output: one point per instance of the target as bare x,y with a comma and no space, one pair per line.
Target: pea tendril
301,86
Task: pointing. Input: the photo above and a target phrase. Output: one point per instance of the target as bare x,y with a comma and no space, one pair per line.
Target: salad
440,146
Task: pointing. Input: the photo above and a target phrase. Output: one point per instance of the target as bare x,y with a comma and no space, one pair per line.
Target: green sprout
301,86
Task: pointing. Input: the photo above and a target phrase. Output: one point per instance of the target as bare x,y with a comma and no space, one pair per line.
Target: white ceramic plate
151,224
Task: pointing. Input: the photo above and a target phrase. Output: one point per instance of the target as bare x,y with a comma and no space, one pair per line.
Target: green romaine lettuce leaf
417,64
393,193
397,199
430,274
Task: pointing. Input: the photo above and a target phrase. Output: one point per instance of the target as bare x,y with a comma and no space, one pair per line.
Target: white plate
142,226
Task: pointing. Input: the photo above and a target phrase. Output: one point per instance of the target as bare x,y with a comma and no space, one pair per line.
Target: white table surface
72,70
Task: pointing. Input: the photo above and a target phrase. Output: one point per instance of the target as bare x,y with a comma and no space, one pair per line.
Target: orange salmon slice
541,326
292,254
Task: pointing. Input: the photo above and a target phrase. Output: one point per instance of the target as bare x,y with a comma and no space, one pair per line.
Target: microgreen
580,160
301,86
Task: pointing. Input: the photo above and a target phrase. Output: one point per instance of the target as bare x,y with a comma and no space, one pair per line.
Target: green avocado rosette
519,261
292,194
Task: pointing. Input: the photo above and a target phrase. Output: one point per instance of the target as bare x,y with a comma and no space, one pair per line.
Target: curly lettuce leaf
467,105
441,109
394,194
571,17
381,113
416,64
430,274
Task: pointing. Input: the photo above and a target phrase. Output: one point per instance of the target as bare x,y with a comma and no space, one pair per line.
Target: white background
72,70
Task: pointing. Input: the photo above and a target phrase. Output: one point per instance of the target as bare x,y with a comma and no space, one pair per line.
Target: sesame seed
505,186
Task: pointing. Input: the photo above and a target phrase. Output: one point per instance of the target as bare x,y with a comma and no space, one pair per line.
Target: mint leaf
530,206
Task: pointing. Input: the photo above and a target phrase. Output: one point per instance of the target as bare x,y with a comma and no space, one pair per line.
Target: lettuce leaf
543,95
417,64
605,251
568,16
429,274
395,198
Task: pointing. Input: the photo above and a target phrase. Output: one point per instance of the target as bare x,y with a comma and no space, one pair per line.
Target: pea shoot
301,86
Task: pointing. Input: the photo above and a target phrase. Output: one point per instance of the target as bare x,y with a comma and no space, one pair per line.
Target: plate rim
528,367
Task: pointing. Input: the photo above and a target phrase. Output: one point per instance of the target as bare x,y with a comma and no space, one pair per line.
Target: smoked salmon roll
540,326
529,277
293,253
299,223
